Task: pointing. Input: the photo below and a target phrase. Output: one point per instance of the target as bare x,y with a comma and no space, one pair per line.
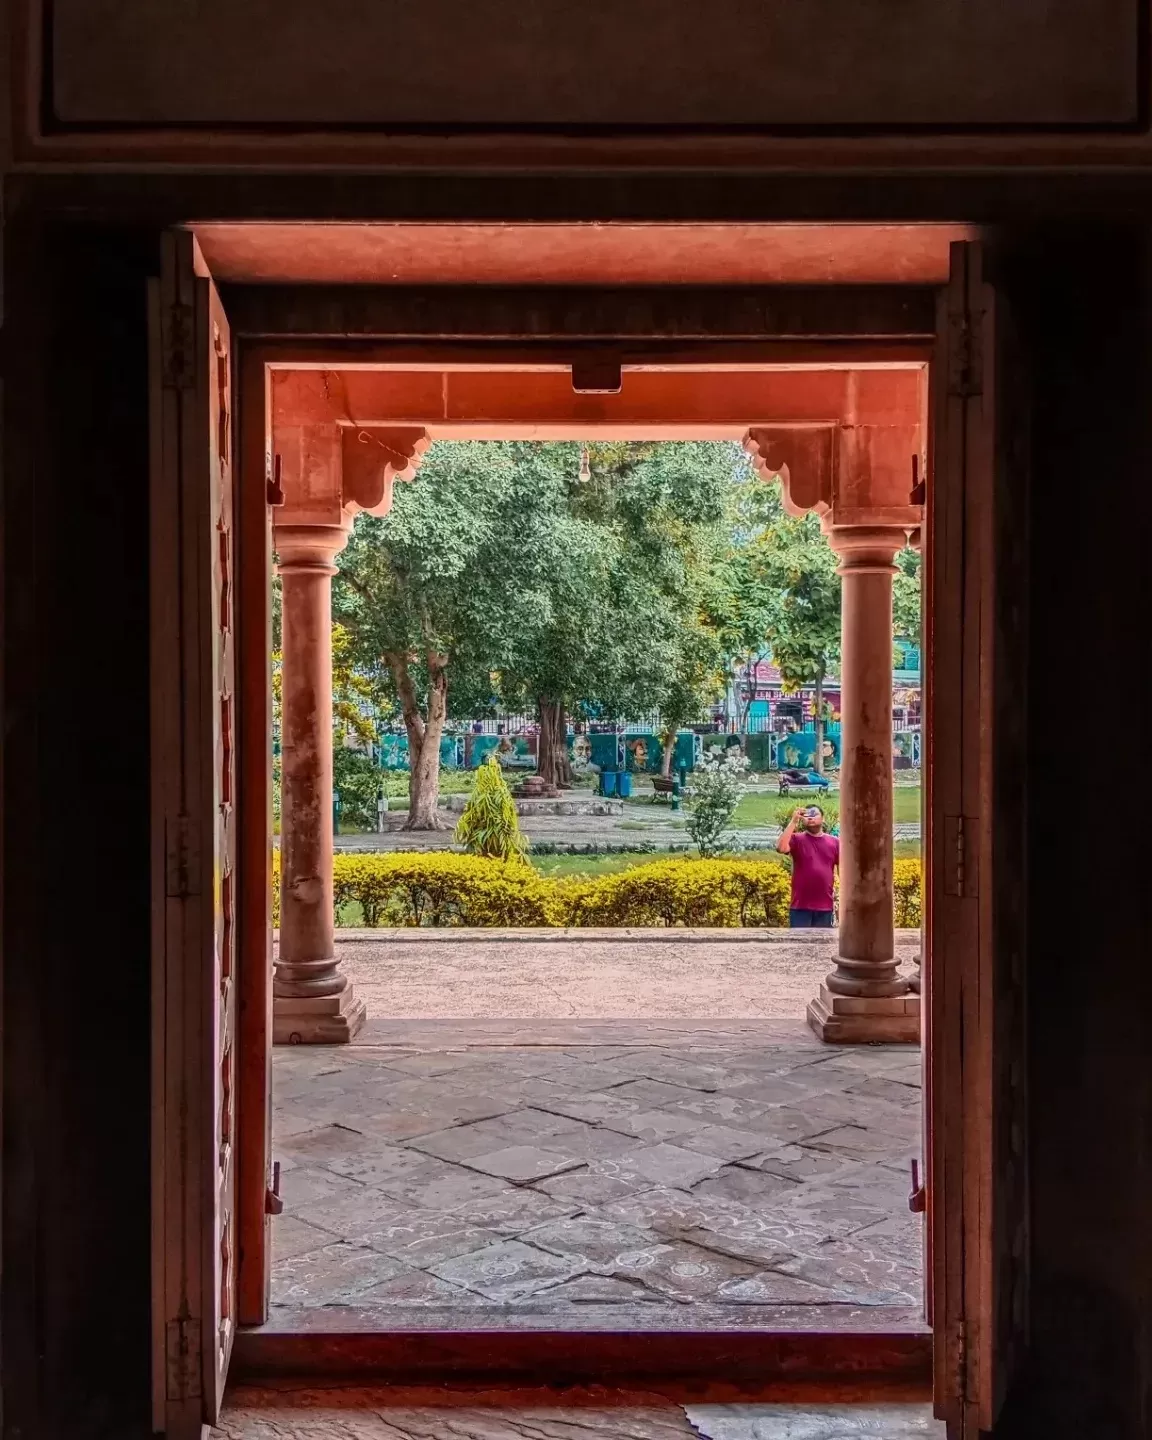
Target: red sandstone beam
651,404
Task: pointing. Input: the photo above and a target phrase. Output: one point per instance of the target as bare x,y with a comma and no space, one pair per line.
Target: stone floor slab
594,1171
825,1422
509,1270
523,1162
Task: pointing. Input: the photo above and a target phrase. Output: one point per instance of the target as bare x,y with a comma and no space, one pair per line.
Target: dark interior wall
75,1309
1084,300
75,1305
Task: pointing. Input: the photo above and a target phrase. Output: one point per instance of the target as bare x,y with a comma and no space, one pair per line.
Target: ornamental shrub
684,892
907,896
413,888
489,825
715,791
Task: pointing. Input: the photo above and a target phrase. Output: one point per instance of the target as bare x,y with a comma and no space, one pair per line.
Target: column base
859,1020
318,1019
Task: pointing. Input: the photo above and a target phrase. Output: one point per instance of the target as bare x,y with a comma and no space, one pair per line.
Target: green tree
416,594
620,626
906,600
738,604
505,570
798,570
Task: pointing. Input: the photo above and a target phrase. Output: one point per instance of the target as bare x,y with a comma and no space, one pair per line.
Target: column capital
864,549
849,475
310,548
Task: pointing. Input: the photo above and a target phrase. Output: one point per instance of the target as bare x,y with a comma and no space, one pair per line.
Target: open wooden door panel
193,829
976,857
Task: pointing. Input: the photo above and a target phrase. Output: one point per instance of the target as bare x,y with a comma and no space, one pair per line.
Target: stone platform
604,1174
574,803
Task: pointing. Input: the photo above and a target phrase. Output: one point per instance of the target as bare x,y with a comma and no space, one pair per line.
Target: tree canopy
500,574
509,573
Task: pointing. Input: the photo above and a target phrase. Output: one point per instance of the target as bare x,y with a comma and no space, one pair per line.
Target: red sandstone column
313,1003
863,998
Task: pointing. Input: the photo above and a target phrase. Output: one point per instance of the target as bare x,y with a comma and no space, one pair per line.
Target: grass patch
761,809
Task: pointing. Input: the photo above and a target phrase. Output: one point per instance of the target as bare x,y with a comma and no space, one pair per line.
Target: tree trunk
819,722
423,739
552,762
668,748
745,714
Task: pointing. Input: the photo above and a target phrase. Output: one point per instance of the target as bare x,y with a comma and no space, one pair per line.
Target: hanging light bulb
585,470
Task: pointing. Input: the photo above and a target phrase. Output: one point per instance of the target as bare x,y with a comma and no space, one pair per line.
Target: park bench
661,785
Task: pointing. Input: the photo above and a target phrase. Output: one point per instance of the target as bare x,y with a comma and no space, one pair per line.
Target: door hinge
965,357
918,1195
274,481
960,870
182,869
182,1356
273,1205
958,1360
178,331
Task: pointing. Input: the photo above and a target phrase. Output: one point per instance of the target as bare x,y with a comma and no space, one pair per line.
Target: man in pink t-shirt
815,857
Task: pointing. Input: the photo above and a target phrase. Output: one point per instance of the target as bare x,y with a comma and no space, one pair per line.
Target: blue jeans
810,919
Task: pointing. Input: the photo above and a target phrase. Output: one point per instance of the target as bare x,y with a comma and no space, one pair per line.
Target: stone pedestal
865,1020
864,998
317,1020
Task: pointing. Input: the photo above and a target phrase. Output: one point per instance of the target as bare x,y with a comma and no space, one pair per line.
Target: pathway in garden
592,974
641,1173
640,826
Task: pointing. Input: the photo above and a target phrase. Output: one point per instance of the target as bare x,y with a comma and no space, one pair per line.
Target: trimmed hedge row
413,888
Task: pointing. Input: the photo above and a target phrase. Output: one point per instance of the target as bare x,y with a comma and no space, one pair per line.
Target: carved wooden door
194,785
974,963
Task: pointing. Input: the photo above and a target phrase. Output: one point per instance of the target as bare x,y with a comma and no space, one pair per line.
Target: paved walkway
598,1173
639,826
326,1413
592,974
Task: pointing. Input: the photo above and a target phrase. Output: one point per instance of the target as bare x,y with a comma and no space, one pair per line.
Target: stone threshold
906,940
638,1321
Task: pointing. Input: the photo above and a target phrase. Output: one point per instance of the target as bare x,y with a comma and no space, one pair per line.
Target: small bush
489,825
443,889
713,796
907,893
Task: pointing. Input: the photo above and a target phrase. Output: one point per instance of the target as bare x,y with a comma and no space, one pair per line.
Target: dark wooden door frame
317,325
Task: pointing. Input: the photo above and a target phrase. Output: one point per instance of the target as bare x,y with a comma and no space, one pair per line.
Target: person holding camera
815,857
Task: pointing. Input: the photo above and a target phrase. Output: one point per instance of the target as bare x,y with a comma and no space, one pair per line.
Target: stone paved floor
302,1414
632,1174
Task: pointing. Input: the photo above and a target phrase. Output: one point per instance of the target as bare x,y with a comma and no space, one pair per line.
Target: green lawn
762,808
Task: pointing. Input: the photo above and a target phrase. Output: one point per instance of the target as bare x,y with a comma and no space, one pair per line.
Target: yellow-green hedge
907,887
414,888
